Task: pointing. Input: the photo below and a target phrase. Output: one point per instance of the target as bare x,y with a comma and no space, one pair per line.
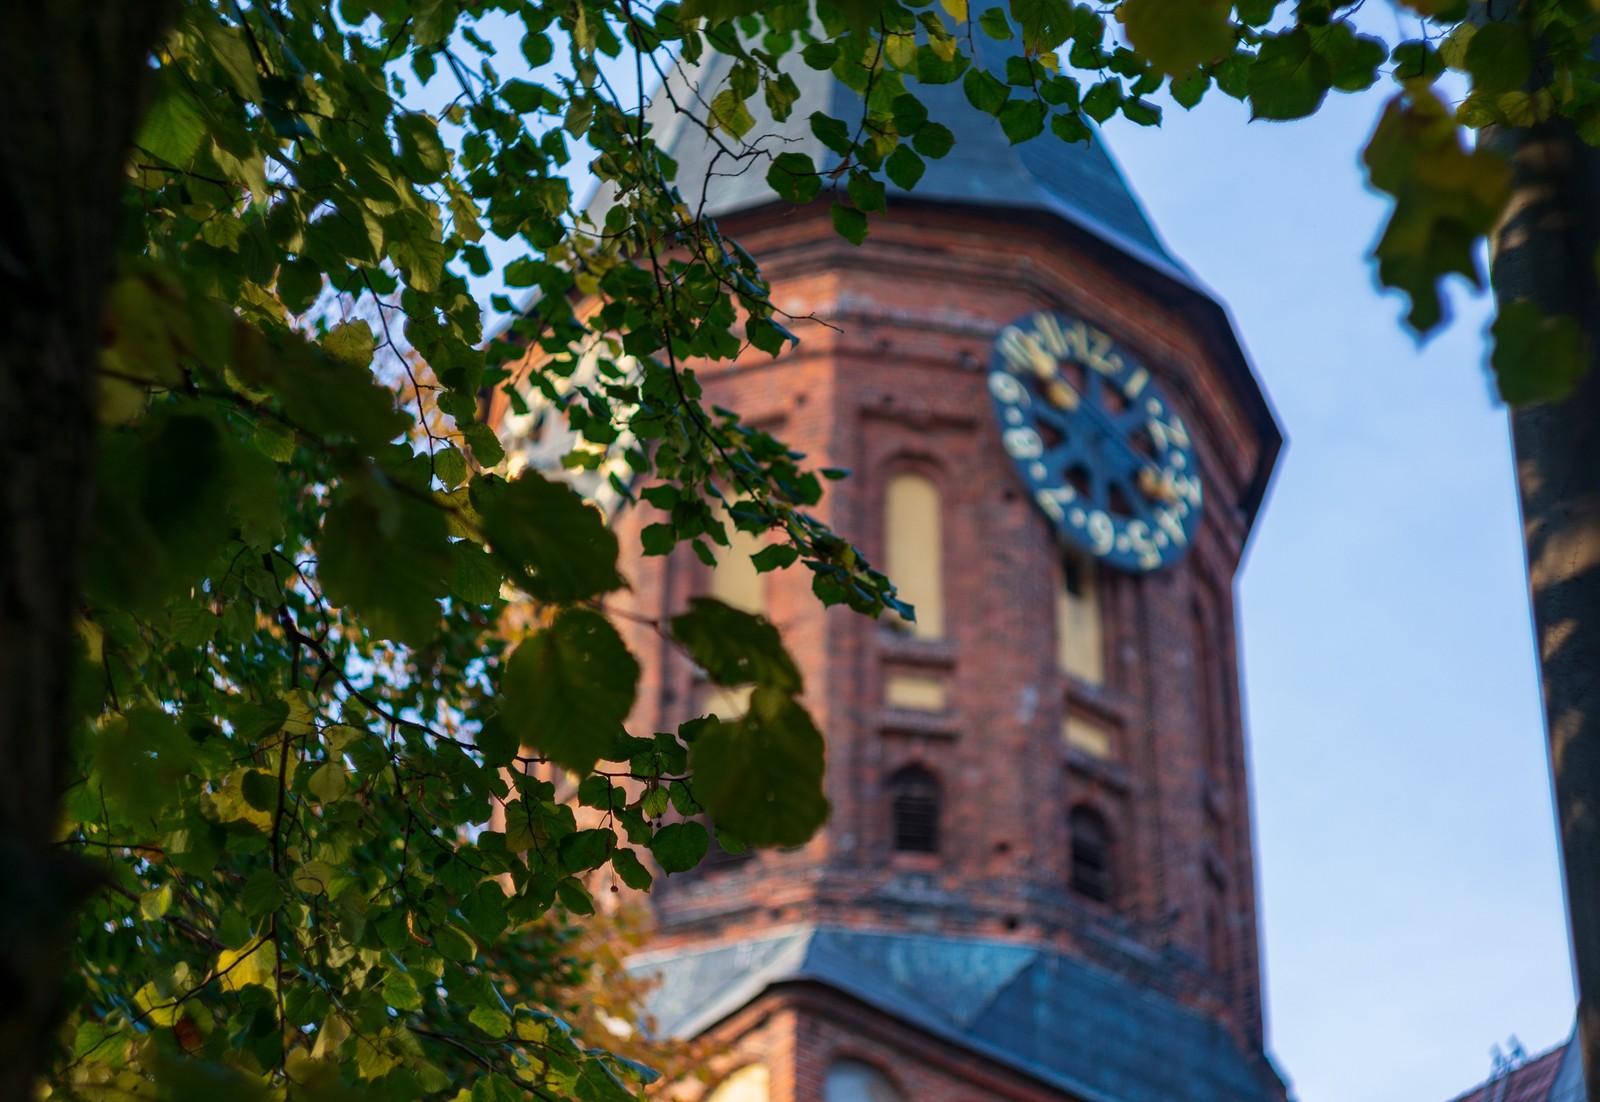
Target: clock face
1103,453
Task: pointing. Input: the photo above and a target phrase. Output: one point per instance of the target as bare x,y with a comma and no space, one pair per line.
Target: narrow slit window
914,808
1091,855
1079,647
914,546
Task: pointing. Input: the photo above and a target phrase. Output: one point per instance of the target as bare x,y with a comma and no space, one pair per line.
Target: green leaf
568,689
299,285
995,24
1178,36
820,55
767,335
1289,79
1045,24
933,140
422,155
631,869
454,944
1102,101
451,467
793,176
547,537
849,223
385,556
477,577
866,192
1536,358
1499,57
351,344
1187,91
904,167
678,847
574,896
762,776
831,133
173,127
774,556
985,91
1023,119
585,850
735,647
717,11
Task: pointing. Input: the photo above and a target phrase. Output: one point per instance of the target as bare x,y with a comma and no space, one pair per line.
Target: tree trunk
1545,251
72,73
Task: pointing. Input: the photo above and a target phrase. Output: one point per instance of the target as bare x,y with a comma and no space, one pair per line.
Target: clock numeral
1170,523
1099,355
1186,488
1143,546
1168,434
1023,352
1053,499
1102,531
1136,383
1004,386
1023,443
1049,329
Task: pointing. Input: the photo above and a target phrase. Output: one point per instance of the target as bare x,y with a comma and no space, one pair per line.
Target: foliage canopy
301,686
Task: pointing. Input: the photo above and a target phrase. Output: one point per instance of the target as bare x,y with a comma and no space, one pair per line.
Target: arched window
1079,648
750,1083
854,1081
914,809
1091,854
914,546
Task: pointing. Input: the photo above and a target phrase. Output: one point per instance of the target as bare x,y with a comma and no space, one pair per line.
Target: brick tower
1037,879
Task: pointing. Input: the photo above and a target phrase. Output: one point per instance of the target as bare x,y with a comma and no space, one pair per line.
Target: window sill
935,653
909,721
1109,773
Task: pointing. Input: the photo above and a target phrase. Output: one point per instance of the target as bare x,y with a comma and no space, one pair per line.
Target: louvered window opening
916,813
1091,856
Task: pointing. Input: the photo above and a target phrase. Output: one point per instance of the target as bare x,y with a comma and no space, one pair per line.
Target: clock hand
1150,480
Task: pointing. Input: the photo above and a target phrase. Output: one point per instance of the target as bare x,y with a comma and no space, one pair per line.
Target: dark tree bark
1546,250
72,74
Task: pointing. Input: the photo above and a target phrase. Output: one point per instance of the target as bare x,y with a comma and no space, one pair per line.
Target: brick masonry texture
889,376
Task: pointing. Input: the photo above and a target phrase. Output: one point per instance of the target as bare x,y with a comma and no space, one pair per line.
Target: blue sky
1410,895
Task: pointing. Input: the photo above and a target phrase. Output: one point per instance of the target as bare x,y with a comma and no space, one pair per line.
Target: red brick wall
895,381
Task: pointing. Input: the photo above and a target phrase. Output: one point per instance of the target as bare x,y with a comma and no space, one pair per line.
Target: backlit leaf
567,689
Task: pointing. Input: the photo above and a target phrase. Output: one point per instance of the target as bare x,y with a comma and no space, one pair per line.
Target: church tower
1037,881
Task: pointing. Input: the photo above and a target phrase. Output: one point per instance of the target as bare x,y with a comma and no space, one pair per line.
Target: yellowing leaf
1446,197
157,1008
254,964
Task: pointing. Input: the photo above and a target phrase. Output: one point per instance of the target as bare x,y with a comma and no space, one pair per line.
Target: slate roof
1554,1076
1080,1029
1075,181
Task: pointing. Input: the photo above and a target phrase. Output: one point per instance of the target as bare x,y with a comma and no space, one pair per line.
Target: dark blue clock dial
1103,453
